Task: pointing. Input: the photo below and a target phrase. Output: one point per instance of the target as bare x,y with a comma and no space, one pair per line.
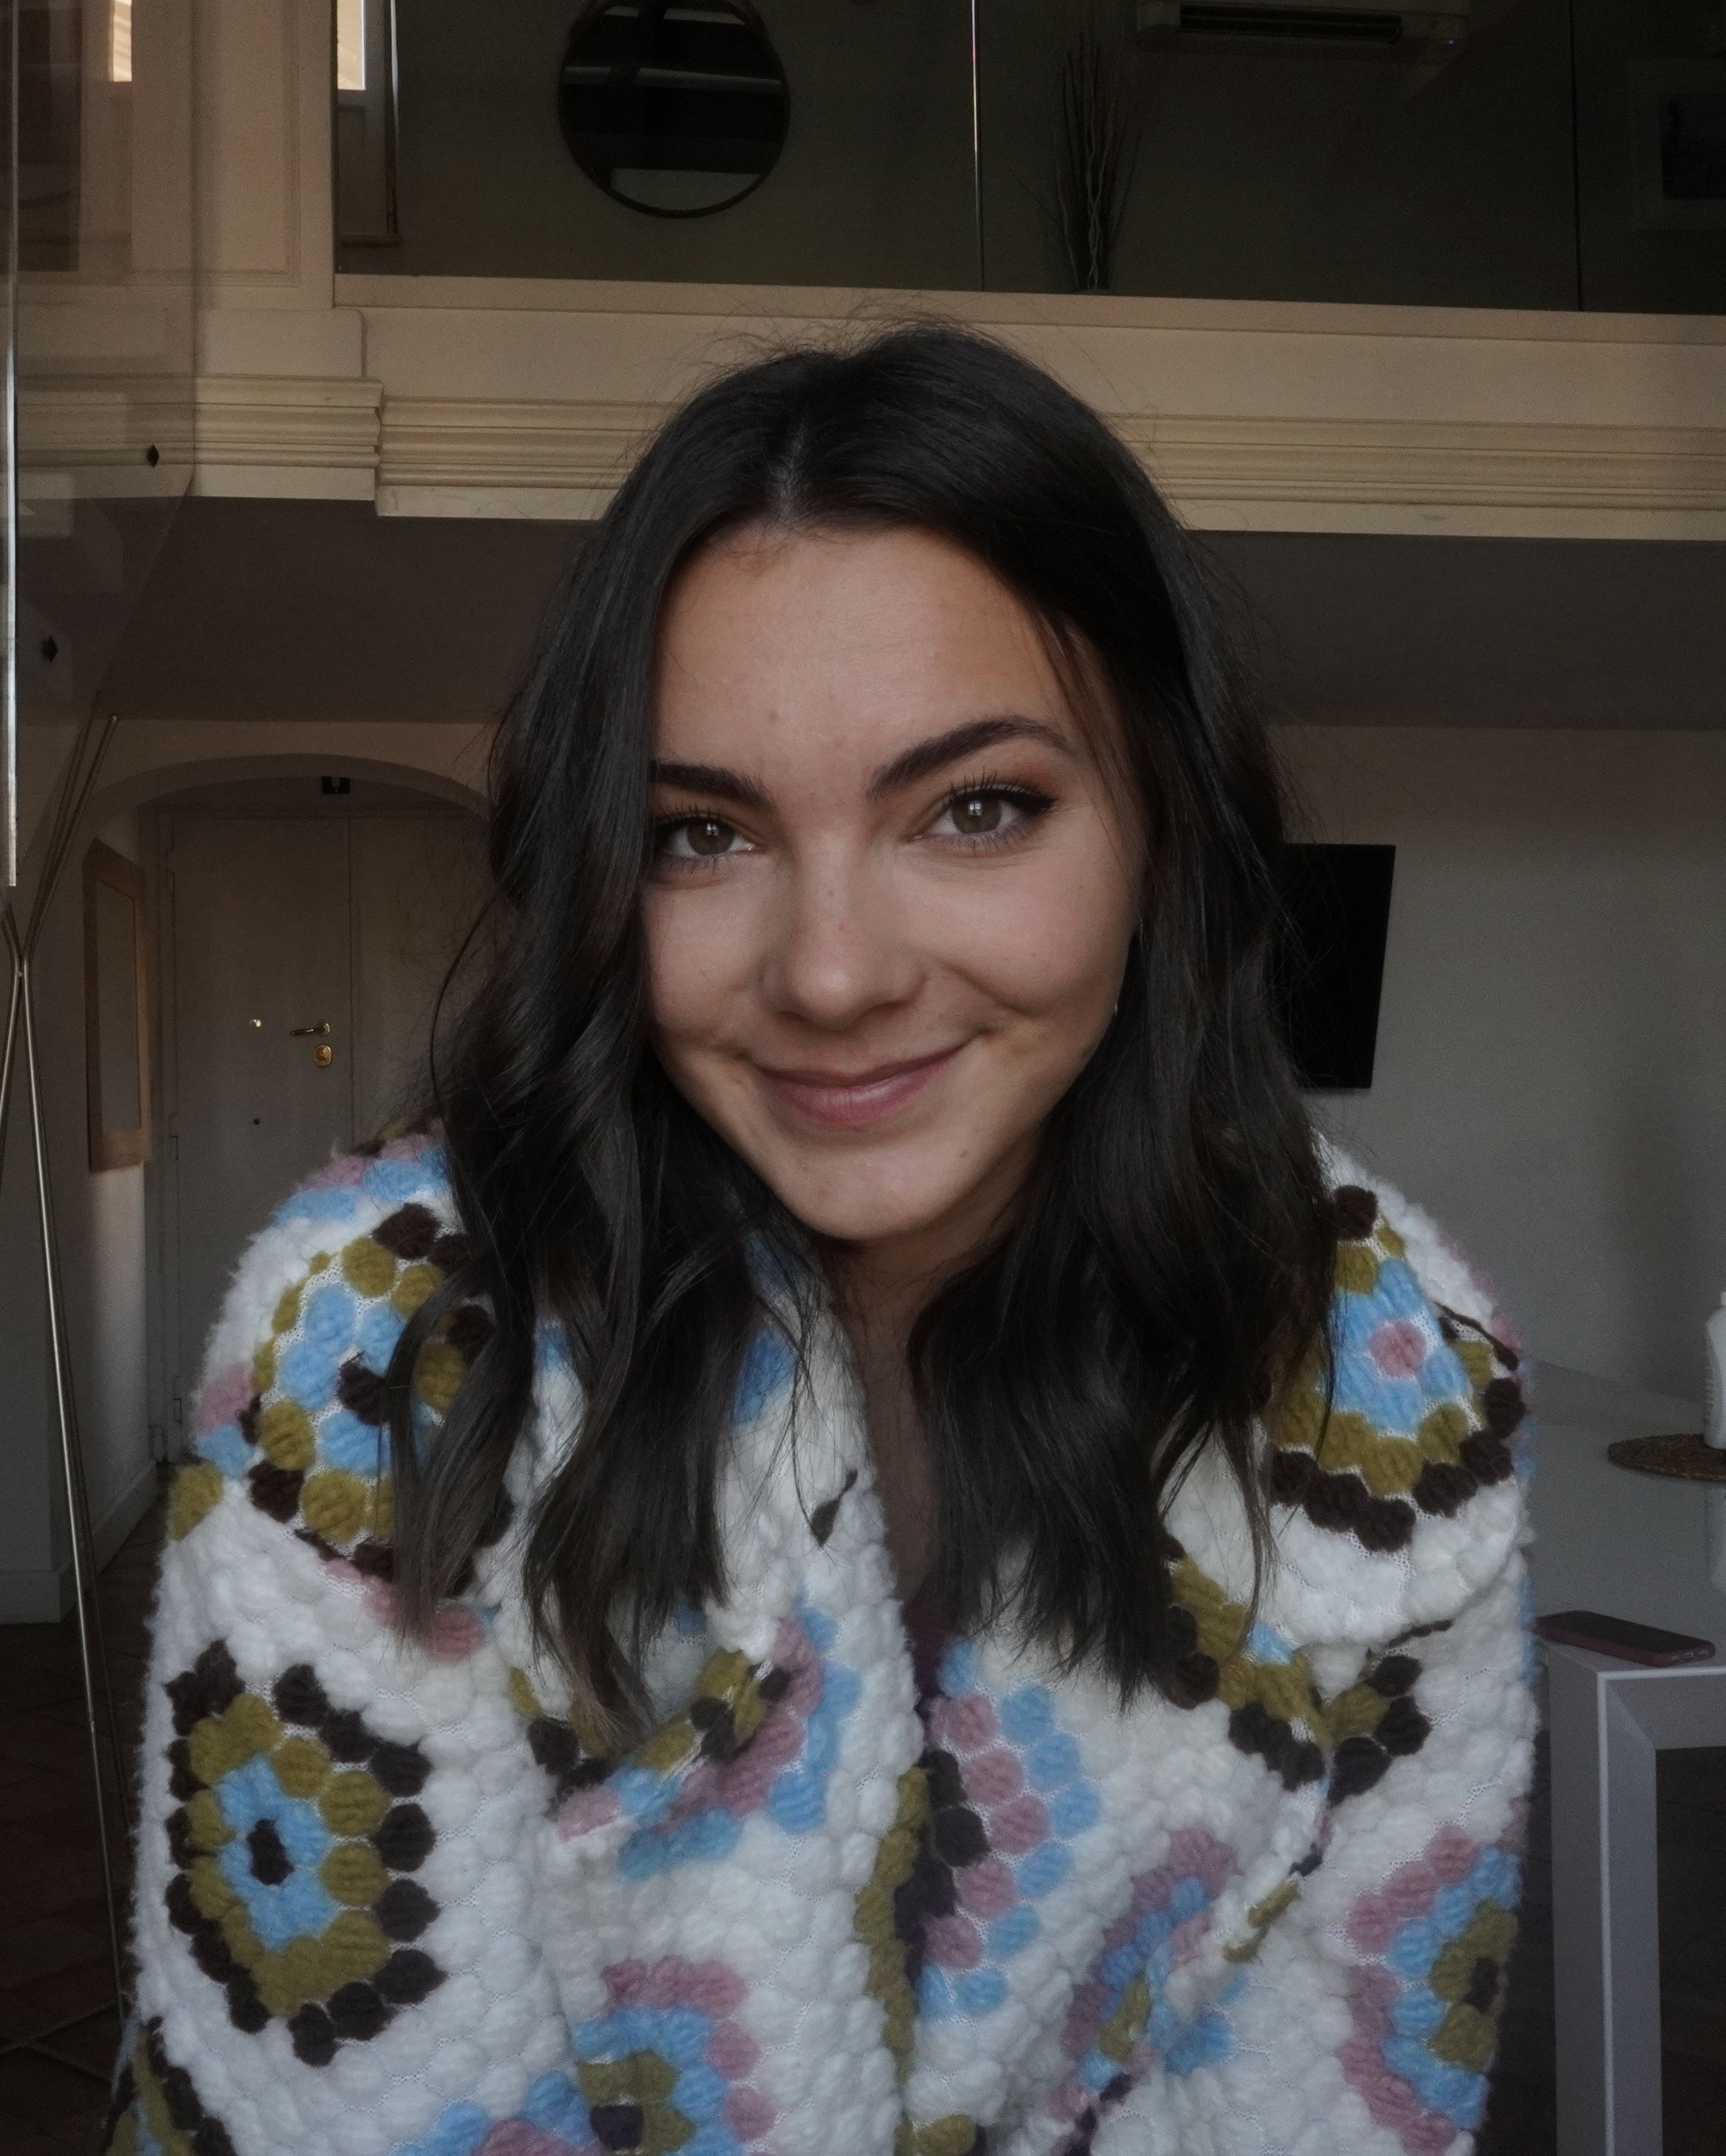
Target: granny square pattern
1427,2009
395,1898
295,1846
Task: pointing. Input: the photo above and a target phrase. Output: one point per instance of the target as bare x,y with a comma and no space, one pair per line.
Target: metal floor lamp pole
75,788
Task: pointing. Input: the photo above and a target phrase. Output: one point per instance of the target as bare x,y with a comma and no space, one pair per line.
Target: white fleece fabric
391,1900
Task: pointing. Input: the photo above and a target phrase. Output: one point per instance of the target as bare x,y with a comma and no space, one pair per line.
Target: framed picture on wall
116,1008
1330,965
1678,126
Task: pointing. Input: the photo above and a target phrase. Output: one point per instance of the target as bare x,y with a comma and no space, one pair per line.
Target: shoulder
1392,1468
290,1415
1426,1379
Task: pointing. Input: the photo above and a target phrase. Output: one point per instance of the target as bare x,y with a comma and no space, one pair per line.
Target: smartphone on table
1618,1635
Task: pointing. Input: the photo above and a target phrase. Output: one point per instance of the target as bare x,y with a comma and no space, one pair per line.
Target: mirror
676,107
115,1021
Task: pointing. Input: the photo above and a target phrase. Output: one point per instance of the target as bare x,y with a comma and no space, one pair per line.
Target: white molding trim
853,308
290,436
92,422
469,457
479,457
444,456
1467,477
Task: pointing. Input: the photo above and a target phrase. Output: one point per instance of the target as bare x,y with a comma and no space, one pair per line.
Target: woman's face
892,889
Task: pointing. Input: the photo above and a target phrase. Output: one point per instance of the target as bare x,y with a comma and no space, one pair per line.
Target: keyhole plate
323,1056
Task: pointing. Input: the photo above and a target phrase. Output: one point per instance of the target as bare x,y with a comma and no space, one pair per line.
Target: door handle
300,1032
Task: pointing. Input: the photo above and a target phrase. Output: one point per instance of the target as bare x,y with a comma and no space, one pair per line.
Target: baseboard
35,1597
126,1511
44,1596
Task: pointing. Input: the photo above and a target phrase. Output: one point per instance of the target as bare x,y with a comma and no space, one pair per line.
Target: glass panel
873,185
1494,153
1690,1793
117,1007
1396,169
103,352
1652,155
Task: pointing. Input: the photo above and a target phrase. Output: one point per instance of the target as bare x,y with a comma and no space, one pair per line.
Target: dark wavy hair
1169,1265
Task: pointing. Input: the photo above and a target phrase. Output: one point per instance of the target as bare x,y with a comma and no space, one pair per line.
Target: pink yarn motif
1376,1917
1399,1347
1193,1854
1389,2099
224,1393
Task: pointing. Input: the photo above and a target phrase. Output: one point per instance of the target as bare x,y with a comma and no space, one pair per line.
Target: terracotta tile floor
54,1960
54,1942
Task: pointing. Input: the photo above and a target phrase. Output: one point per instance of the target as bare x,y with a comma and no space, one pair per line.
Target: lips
851,1101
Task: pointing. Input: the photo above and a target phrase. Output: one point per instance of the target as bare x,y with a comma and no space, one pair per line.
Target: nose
839,949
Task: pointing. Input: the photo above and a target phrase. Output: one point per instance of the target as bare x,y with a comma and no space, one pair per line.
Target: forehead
827,643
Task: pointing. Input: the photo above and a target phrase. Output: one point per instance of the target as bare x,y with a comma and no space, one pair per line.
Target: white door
307,956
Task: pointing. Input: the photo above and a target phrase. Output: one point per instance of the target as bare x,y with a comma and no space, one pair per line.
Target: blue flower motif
555,2106
459,2132
769,1364
1053,1761
394,1182
1011,1935
1206,2040
225,1448
1027,1715
1074,1809
376,1335
308,1372
332,1201
1203,2040
1043,1870
344,1441
1394,1403
327,1318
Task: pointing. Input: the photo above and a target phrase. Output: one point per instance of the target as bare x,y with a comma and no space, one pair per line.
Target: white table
1645,1548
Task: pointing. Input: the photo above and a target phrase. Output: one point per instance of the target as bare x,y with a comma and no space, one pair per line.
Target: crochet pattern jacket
390,1902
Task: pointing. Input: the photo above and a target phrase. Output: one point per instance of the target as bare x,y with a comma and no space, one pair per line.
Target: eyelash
1031,800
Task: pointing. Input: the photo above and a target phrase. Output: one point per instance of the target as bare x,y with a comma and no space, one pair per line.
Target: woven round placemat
1686,1457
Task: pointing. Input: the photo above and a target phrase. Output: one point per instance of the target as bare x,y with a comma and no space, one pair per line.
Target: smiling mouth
848,1101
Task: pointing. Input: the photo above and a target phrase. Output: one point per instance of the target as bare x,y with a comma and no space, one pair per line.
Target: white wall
100,1220
1551,1075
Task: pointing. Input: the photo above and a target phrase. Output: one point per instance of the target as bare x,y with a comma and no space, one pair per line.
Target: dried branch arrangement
1095,148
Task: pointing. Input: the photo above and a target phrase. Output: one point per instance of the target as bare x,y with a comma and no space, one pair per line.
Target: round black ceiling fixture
676,107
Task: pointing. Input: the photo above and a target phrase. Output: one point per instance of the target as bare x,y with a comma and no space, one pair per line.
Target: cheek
691,965
1044,945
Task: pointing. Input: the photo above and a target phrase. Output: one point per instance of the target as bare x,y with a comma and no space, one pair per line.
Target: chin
862,1210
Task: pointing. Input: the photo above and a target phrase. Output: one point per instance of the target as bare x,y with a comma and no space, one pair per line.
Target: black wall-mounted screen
1332,966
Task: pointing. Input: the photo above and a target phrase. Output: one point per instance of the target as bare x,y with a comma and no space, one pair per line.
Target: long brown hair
1171,1261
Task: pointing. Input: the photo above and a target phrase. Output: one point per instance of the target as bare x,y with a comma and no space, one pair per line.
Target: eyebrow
921,760
712,778
931,756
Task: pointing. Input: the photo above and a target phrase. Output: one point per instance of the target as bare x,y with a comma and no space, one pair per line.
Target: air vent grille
1351,23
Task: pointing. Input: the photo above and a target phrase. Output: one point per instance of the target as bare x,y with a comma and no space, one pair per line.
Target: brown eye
975,814
707,835
699,839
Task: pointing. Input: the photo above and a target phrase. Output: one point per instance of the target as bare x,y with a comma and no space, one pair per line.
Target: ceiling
1366,631
325,610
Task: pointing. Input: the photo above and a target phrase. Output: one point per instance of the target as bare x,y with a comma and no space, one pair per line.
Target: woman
867,1551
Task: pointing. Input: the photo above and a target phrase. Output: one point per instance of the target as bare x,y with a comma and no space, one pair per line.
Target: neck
879,1288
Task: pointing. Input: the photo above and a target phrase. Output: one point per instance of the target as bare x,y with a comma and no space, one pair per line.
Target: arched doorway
307,922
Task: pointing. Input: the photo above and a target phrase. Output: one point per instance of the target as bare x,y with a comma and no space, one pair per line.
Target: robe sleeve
1361,2012
311,1916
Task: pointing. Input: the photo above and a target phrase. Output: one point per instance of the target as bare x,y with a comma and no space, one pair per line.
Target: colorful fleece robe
391,1901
